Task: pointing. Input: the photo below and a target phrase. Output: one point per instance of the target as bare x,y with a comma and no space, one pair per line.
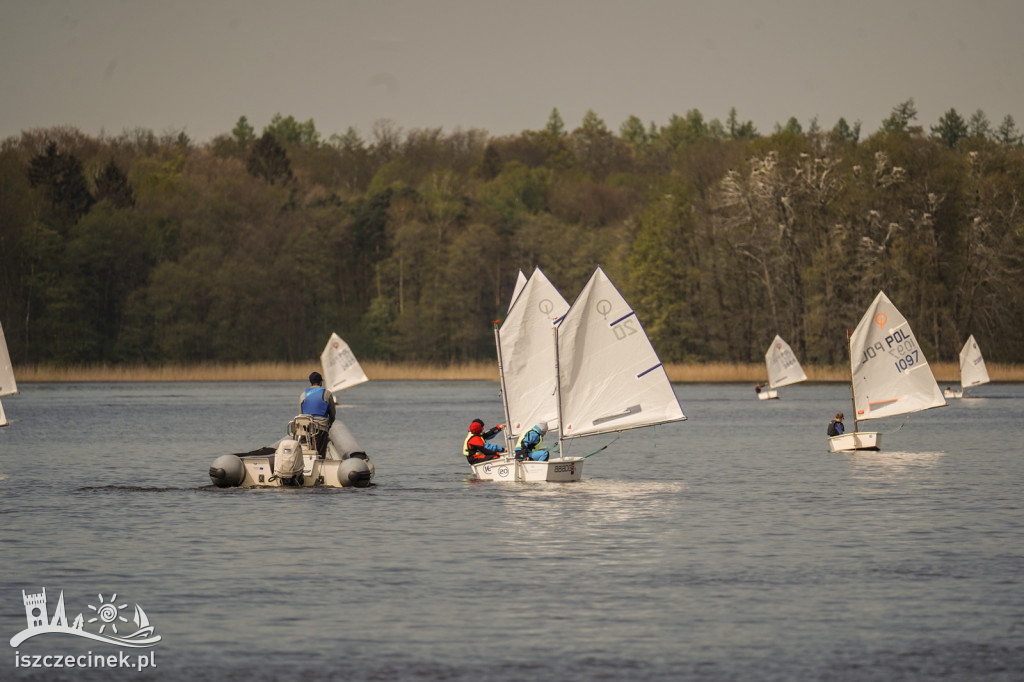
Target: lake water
731,546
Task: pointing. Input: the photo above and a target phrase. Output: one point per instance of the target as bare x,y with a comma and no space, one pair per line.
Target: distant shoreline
711,372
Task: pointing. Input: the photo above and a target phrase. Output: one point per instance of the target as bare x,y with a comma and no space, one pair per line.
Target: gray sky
197,65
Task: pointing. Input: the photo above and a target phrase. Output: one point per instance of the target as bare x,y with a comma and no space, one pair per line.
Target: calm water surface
731,546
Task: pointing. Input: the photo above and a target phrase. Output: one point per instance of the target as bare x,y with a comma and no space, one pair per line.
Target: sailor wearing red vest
476,449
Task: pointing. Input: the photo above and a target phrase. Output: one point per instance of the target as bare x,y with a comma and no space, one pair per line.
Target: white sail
7,384
783,367
520,283
526,355
890,373
609,376
972,365
341,369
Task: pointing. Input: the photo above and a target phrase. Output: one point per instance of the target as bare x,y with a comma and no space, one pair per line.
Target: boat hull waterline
557,470
857,440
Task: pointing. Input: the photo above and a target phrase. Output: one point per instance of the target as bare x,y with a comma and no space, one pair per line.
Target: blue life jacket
314,402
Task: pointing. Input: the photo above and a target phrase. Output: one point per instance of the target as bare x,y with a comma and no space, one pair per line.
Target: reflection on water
882,463
732,546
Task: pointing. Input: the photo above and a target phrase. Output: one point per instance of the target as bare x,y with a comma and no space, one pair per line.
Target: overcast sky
197,65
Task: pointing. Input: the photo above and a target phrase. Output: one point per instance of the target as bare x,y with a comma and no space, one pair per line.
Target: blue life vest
314,402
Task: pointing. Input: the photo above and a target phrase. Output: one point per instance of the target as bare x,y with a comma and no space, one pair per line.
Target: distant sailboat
783,368
972,369
8,386
341,369
889,374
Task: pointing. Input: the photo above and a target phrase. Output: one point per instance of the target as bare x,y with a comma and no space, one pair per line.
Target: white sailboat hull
560,470
768,394
949,393
858,440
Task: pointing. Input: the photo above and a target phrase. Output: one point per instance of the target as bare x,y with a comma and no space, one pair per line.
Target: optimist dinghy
605,378
889,374
783,368
972,369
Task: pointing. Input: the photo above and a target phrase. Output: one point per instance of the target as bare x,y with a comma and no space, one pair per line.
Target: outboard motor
288,462
227,471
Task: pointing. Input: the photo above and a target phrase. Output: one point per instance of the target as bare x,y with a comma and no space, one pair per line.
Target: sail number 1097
898,345
907,361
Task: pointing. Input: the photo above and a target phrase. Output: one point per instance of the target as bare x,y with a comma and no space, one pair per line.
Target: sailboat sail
783,367
341,369
520,283
890,373
972,365
7,384
609,376
527,355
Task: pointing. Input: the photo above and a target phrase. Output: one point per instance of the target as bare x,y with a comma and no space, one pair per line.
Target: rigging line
905,420
601,448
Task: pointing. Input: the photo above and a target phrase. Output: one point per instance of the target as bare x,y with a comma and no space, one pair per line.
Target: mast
501,380
853,394
558,392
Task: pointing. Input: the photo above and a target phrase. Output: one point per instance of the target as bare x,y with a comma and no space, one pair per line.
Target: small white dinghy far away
889,374
293,462
8,386
972,369
783,368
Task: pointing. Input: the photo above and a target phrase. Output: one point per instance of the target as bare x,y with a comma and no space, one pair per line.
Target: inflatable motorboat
294,461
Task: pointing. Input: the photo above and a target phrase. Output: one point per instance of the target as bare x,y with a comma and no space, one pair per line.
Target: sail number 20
624,328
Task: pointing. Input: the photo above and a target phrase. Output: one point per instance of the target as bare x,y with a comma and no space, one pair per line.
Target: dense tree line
146,248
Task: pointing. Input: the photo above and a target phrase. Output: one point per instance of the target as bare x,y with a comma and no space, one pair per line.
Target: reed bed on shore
710,372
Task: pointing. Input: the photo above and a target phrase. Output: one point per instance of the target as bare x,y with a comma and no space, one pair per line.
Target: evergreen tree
112,185
62,176
269,161
951,128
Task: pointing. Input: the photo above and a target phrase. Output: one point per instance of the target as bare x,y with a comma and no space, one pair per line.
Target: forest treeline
146,248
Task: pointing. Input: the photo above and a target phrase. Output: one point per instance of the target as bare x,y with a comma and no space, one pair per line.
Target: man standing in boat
476,448
317,402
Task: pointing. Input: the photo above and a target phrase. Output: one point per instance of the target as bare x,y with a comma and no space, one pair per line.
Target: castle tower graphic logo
111,624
